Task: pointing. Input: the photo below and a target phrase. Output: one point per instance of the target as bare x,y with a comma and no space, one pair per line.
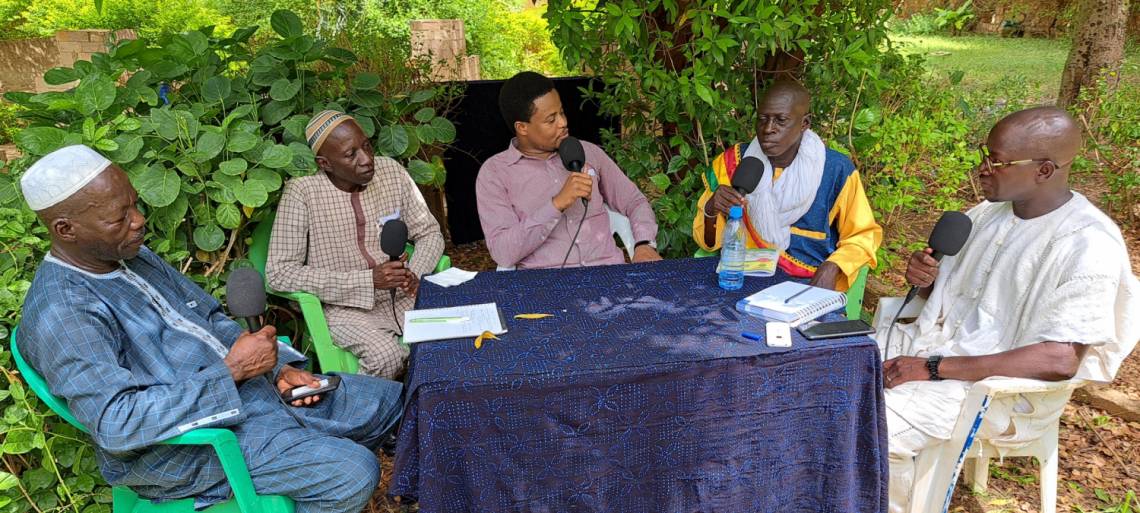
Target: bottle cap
736,212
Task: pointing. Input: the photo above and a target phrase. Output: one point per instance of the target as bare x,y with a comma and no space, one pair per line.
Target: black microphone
573,158
393,238
947,238
747,175
245,296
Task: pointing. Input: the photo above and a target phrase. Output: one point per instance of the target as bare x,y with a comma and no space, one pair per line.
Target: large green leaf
95,93
276,157
422,172
157,185
8,481
284,89
423,95
233,167
41,140
19,442
286,24
251,193
209,145
216,89
209,237
269,179
392,140
367,98
239,142
228,216
444,130
60,76
366,81
426,134
424,115
274,112
168,218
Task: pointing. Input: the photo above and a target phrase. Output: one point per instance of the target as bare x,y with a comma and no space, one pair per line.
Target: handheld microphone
947,238
393,238
747,175
573,158
245,296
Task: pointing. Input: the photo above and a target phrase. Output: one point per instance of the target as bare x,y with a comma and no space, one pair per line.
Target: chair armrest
1001,385
226,445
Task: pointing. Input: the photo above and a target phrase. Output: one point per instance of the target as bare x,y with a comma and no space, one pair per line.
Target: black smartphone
328,384
835,329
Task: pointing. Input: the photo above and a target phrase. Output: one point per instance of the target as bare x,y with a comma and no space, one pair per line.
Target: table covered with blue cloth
638,395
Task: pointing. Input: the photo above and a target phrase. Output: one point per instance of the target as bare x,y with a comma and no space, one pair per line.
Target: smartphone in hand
328,384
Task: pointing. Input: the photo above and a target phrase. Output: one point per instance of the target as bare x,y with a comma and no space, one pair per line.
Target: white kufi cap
59,174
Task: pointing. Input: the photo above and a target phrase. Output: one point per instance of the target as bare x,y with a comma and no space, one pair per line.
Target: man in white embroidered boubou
1043,289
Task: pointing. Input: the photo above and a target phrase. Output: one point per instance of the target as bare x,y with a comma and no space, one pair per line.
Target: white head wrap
59,174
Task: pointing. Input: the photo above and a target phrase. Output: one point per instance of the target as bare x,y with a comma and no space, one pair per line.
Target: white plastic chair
937,468
619,225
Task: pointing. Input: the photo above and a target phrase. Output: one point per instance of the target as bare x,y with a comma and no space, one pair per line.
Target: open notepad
792,302
452,322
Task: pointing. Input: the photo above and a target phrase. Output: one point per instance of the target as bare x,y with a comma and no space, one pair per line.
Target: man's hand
389,275
292,377
578,185
723,199
645,253
922,269
412,285
902,369
826,275
253,354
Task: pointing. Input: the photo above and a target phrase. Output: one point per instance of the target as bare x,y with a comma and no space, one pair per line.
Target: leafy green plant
685,77
1112,121
10,123
208,128
954,19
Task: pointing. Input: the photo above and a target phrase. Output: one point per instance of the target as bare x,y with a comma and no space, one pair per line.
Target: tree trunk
1098,47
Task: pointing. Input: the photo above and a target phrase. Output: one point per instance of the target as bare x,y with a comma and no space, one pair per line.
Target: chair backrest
259,248
40,387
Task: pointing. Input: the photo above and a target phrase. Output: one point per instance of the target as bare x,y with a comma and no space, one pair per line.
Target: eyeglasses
989,165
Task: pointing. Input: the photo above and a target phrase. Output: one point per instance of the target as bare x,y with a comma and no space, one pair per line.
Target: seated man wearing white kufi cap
141,354
326,241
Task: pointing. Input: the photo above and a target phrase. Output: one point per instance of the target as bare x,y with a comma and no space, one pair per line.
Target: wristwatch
932,367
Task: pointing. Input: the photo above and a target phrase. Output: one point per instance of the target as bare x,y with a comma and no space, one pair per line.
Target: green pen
439,319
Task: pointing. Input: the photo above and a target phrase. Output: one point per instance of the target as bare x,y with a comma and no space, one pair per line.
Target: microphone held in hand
245,296
747,175
572,154
393,238
947,238
573,158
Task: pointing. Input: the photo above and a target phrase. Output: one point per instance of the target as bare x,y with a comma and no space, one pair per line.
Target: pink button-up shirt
524,230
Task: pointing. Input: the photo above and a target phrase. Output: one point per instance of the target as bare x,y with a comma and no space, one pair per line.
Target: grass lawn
989,59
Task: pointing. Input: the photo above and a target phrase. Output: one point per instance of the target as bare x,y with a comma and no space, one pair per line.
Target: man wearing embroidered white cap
141,354
326,241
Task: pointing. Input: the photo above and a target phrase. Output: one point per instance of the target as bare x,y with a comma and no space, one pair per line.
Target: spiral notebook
792,302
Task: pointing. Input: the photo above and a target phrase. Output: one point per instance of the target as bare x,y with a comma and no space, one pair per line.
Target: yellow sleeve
700,218
859,234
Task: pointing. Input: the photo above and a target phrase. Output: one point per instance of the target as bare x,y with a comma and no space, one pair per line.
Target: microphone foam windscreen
572,154
951,232
393,238
748,174
245,293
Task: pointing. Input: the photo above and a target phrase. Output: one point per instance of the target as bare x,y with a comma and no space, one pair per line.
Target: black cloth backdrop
480,132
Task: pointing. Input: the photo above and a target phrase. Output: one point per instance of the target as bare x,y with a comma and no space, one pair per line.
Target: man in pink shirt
529,204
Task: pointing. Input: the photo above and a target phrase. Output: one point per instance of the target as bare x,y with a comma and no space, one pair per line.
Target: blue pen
751,336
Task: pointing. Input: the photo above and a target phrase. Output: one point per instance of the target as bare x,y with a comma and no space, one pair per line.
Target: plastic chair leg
979,475
1049,480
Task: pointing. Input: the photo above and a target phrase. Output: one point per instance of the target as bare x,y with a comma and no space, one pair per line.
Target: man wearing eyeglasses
1043,289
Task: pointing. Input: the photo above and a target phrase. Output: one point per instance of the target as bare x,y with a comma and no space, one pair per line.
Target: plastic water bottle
732,252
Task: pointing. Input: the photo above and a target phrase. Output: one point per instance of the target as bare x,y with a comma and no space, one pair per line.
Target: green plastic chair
331,357
854,293
123,500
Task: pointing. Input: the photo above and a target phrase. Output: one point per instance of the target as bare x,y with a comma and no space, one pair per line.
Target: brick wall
23,62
